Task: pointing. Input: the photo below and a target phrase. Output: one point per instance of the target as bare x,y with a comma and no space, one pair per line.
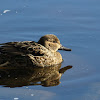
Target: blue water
77,24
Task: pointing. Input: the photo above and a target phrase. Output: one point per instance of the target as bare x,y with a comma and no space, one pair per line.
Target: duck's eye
54,41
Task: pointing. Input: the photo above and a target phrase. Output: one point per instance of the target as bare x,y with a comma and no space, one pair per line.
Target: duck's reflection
18,77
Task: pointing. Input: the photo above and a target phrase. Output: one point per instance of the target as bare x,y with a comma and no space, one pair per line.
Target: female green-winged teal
42,53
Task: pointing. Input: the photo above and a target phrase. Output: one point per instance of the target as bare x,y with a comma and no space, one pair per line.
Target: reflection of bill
54,78
15,77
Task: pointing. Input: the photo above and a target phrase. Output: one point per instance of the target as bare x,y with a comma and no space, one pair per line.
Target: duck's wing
23,48
8,48
17,47
15,52
36,53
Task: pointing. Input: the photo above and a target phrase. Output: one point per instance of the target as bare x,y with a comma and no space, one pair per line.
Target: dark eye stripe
54,41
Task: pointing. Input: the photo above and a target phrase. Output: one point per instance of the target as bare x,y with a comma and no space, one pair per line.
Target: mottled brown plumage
42,53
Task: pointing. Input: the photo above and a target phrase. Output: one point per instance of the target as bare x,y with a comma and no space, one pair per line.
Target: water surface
77,24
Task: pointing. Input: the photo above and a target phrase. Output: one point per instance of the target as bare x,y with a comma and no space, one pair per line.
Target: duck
43,53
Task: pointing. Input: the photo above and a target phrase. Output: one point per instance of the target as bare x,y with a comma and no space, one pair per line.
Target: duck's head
52,43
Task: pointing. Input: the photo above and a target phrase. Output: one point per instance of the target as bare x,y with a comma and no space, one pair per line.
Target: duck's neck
58,57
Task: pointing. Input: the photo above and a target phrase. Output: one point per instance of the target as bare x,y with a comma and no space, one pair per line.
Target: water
77,24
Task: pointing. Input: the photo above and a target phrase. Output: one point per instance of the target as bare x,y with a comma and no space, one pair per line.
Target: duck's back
16,48
27,52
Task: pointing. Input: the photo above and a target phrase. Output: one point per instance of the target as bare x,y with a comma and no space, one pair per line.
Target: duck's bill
64,48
